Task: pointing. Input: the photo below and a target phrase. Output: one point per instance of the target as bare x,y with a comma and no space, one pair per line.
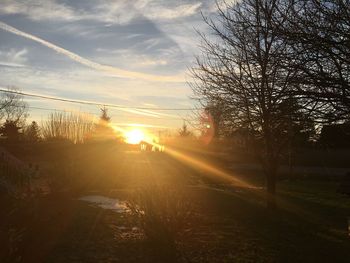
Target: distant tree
10,130
184,132
67,126
32,132
12,106
104,115
103,130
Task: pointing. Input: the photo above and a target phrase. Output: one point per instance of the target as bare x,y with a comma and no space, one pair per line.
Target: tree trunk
271,188
270,166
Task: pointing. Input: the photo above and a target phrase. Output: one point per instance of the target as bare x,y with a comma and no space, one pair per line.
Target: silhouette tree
317,33
12,106
32,132
10,130
184,132
243,68
104,115
15,111
103,130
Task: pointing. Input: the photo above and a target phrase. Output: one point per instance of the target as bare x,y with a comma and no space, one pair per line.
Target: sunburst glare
134,136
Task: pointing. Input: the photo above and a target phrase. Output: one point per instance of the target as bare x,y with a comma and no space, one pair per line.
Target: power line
91,113
94,103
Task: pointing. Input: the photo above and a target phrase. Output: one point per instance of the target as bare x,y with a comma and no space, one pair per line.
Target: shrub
163,214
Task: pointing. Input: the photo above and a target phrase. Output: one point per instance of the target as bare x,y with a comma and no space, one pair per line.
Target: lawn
223,223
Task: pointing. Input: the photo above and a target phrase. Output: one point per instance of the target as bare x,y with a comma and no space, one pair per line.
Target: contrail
105,68
145,111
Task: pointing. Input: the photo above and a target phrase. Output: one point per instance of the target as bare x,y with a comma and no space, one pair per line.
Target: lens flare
134,136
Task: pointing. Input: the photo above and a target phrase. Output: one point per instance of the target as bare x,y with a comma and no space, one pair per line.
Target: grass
225,224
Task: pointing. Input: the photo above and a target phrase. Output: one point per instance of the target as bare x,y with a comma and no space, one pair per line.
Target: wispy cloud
13,57
123,12
138,60
108,11
105,68
222,4
138,125
61,100
39,9
129,51
142,112
161,12
153,62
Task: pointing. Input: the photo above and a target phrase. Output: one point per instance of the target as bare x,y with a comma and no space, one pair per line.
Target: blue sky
132,53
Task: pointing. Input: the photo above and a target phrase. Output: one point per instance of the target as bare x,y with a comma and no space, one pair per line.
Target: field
189,214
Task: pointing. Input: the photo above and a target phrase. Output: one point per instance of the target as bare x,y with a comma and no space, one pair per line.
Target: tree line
59,126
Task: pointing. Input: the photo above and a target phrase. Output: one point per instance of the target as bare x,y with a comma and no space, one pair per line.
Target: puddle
106,203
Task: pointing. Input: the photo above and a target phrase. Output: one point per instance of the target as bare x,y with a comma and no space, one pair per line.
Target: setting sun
134,136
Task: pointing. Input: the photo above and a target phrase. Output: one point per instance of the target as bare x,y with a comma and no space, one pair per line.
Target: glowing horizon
134,136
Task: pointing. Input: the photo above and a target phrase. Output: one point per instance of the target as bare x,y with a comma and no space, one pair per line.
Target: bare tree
68,126
318,37
12,107
184,131
242,66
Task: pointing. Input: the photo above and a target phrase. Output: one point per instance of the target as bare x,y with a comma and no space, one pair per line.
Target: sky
128,52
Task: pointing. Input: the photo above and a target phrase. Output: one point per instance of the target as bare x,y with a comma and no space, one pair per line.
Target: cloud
136,111
39,9
158,11
104,68
123,12
222,4
140,125
137,60
13,57
152,62
108,11
87,84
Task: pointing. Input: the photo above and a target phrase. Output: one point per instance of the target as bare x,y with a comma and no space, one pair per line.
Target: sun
134,136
